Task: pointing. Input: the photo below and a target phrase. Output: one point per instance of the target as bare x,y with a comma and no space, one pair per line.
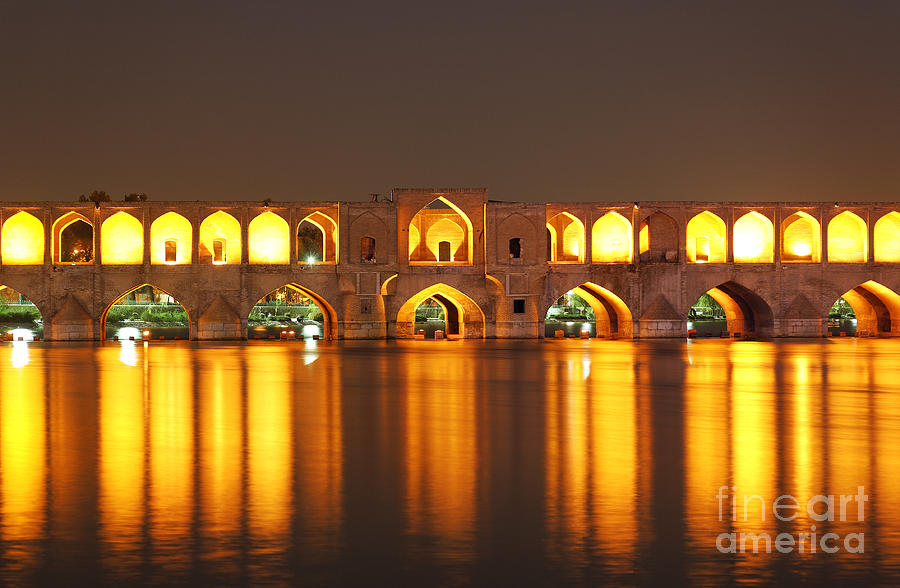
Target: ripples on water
497,462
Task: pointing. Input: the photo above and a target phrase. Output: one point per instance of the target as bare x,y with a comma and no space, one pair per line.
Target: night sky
588,101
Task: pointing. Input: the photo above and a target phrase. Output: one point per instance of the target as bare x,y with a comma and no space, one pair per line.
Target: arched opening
566,239
706,238
367,249
122,240
317,239
220,239
730,310
611,239
146,312
847,239
291,312
887,238
875,308
754,239
269,239
170,240
20,319
591,309
434,314
801,239
658,239
73,239
438,222
22,240
462,317
515,248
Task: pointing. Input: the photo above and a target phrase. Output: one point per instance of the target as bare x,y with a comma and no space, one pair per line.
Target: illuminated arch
122,240
169,227
753,239
745,311
22,240
466,311
329,316
658,238
566,238
426,230
26,323
801,239
877,308
324,225
119,298
612,316
706,238
67,246
847,239
611,239
887,238
269,239
222,228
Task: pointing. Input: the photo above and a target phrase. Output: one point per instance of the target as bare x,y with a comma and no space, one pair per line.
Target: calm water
440,463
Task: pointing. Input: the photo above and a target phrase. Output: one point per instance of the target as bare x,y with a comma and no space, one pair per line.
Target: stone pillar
245,236
729,236
777,213
146,220
195,237
870,235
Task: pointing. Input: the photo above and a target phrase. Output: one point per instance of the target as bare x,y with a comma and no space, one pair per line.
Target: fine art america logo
822,509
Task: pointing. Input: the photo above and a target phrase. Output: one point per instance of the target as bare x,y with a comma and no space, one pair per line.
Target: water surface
440,462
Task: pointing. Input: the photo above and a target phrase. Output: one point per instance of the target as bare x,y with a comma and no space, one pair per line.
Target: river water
445,462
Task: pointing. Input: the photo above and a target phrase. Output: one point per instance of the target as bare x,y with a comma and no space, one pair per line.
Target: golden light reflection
887,238
753,239
706,238
122,240
169,227
611,239
801,238
847,239
566,238
22,240
223,227
23,458
269,239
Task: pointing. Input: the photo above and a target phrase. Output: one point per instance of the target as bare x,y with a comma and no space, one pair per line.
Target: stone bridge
495,267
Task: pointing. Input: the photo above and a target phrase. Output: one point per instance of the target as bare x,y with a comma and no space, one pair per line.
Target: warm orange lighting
611,239
887,238
440,221
706,238
753,239
269,239
847,239
122,240
170,230
800,238
22,240
224,228
570,248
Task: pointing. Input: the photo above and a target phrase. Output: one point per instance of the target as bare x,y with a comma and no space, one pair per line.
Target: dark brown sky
628,100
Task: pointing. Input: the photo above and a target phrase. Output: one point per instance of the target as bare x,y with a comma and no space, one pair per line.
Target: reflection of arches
658,238
877,308
611,239
170,239
706,238
440,220
317,239
269,239
122,240
753,239
467,313
566,233
223,228
72,239
801,238
129,291
887,237
329,316
22,240
847,239
612,316
745,311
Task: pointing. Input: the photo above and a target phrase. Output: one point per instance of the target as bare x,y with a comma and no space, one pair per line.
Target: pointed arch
121,240
567,238
801,238
754,239
611,313
220,239
887,238
611,239
467,312
166,229
155,290
877,309
745,310
706,238
847,239
317,239
22,240
658,238
429,218
269,239
72,239
329,315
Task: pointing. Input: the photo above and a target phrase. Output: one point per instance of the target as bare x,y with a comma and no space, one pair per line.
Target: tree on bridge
96,197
